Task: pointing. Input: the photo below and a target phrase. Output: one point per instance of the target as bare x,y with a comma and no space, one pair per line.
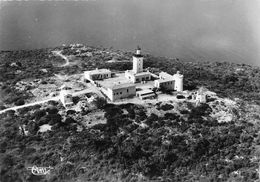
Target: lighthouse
138,61
178,81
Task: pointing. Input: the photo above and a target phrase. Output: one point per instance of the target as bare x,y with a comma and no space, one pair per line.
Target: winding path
28,105
88,90
58,53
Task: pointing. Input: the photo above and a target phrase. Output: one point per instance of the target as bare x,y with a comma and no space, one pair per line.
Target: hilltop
165,140
226,79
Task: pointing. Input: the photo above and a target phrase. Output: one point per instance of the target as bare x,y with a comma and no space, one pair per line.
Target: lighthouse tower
138,61
178,81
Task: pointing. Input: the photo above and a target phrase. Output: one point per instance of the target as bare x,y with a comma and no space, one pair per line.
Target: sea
191,30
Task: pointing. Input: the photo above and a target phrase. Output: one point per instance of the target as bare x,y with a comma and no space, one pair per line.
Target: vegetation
185,143
226,79
192,147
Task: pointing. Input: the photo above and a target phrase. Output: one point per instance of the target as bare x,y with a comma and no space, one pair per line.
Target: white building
119,91
165,81
145,94
170,82
138,61
97,74
137,74
138,77
178,81
123,86
201,95
201,98
66,96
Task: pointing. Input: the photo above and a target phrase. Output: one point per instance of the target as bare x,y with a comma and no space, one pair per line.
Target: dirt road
30,104
58,53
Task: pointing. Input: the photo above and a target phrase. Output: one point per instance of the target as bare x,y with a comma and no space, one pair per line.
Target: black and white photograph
129,90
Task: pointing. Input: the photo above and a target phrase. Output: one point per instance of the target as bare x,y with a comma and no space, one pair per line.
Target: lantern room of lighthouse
138,61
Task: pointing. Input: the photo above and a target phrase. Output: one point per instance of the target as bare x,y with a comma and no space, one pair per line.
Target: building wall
144,95
137,64
202,98
99,76
179,83
137,78
168,85
65,98
130,76
120,93
164,75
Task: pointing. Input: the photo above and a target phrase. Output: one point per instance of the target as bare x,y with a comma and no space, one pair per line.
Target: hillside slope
164,141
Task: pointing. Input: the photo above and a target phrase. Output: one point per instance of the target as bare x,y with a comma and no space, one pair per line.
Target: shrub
184,112
170,116
153,117
38,114
71,112
75,99
19,102
100,102
69,120
52,110
180,97
166,107
2,107
54,118
52,103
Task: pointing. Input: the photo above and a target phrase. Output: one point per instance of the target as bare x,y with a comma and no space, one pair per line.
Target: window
120,93
147,78
127,90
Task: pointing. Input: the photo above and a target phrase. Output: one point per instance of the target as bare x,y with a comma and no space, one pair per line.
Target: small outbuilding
66,98
97,74
146,94
165,81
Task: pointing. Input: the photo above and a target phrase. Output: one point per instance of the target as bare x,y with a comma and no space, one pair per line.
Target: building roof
138,74
148,95
98,71
138,55
121,85
165,80
177,75
146,91
165,75
142,73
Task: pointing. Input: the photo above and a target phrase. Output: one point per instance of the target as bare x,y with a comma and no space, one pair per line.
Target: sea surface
191,30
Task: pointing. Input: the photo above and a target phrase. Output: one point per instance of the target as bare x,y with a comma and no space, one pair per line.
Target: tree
100,102
20,102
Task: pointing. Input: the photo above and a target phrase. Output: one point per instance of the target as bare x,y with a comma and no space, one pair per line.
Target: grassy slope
191,146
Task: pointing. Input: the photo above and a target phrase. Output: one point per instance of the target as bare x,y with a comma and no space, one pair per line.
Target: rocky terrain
174,140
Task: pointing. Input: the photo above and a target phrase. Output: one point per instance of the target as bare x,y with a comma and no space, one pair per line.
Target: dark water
207,30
